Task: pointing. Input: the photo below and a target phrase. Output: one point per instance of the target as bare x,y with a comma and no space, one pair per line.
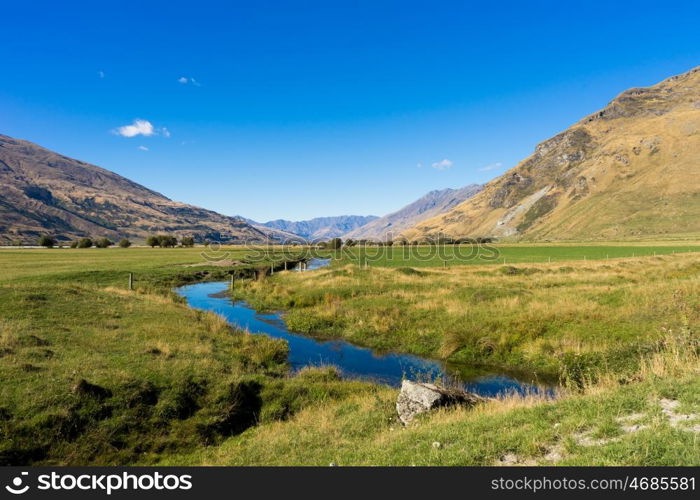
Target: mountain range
630,170
432,204
319,228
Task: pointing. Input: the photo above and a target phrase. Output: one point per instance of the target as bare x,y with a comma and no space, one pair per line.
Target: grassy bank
548,317
650,418
592,429
97,374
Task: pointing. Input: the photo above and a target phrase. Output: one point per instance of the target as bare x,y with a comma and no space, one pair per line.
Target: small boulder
416,398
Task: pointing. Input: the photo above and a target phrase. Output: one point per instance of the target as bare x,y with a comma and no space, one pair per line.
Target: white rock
416,398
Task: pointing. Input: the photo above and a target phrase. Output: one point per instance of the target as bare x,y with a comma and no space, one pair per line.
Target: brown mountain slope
631,170
42,192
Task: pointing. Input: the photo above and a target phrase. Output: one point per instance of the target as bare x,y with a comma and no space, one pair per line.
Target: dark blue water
352,361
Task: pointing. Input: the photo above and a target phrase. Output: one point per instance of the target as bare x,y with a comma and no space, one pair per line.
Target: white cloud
185,80
442,165
419,165
493,166
101,74
143,148
139,127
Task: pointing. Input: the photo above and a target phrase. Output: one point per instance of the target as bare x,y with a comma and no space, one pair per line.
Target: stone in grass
416,398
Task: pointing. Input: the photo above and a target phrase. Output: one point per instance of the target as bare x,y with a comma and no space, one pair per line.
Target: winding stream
352,361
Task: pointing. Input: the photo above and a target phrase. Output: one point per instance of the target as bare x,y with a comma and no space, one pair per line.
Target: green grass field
151,266
485,254
97,374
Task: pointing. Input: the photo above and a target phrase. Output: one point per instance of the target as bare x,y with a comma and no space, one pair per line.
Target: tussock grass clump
409,271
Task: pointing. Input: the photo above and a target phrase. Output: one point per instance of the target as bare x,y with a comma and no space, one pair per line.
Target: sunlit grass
541,316
184,388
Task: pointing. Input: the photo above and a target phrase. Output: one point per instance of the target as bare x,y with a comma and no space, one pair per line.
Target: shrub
124,243
187,241
165,241
152,241
84,243
47,241
104,243
74,244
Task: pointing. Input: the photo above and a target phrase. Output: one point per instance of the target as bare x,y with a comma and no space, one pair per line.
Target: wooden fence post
131,281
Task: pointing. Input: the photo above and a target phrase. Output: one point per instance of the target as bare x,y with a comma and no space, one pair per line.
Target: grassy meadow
556,318
486,253
160,267
97,374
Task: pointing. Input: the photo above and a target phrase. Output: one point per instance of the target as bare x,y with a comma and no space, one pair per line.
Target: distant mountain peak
431,204
320,228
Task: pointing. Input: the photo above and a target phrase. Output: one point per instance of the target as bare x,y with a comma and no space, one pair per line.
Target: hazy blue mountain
320,228
432,204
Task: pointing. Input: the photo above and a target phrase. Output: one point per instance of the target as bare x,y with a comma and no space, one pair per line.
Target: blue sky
302,109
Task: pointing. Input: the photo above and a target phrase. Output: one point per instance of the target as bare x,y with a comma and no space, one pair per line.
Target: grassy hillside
631,170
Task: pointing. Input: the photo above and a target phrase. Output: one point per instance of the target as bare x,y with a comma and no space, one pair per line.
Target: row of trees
99,243
337,243
50,242
160,240
166,241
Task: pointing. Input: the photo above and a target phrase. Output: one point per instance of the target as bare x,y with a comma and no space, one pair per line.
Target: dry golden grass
522,315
